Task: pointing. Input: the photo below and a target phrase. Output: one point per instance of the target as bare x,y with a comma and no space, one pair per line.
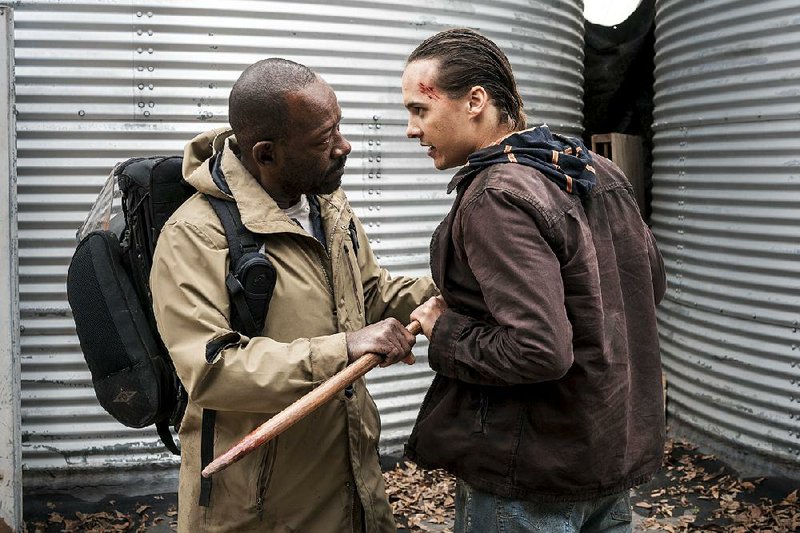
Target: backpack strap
240,243
250,282
165,434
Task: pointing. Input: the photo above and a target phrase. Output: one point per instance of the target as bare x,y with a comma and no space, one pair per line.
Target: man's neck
284,201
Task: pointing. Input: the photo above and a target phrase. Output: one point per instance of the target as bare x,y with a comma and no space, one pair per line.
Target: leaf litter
693,492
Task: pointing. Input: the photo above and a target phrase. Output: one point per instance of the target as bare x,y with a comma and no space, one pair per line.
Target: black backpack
109,292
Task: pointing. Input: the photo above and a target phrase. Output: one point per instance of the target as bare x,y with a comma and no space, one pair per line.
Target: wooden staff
299,409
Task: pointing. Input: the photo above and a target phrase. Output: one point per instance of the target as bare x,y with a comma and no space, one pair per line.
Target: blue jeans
481,512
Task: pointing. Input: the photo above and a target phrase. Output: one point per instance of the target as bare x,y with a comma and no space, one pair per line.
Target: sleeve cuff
445,335
328,356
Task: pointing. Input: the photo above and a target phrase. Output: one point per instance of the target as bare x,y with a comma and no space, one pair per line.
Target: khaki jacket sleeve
220,368
385,296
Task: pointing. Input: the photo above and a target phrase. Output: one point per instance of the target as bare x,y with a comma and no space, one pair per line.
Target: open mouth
431,149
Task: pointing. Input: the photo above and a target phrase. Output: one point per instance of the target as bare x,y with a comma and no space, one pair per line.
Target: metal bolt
375,117
141,86
138,13
378,159
151,69
370,142
140,69
149,13
147,113
139,50
150,32
150,86
378,143
141,104
151,104
377,126
139,32
81,113
149,50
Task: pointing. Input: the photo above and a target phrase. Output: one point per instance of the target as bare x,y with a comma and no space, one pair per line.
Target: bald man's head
257,107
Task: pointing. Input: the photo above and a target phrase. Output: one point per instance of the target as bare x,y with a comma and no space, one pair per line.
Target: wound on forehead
428,91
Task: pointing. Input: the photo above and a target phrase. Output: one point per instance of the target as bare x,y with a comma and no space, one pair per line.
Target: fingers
428,313
400,339
388,338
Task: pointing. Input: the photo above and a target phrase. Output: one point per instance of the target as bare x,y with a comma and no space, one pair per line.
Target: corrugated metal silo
99,81
726,211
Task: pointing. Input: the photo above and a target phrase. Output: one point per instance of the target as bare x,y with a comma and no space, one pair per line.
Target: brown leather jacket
548,382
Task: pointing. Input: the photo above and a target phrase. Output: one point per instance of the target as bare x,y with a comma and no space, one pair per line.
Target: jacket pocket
265,475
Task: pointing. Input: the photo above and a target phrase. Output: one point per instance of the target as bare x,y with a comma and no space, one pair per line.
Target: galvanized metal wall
100,81
10,456
726,210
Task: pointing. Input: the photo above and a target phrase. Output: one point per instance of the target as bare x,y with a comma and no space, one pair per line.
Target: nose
413,131
342,147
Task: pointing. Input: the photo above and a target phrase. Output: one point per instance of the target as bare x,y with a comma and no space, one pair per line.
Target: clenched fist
388,338
428,313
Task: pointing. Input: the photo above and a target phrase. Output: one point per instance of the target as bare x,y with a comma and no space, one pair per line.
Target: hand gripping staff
299,409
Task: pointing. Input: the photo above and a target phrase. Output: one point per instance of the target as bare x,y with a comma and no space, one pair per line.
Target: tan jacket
308,478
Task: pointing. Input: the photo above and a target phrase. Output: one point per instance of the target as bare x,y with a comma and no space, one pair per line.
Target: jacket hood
198,160
563,160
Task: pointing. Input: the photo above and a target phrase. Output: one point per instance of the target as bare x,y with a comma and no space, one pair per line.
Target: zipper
353,279
265,476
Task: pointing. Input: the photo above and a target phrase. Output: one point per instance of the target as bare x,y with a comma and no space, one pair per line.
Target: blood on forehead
428,91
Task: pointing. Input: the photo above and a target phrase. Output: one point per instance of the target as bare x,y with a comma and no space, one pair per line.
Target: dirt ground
692,492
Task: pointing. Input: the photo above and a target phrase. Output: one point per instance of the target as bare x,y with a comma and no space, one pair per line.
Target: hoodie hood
199,158
563,160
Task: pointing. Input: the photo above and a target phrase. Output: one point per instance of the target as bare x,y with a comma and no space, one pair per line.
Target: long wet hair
467,59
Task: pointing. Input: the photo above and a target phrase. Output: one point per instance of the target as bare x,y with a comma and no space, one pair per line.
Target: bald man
282,163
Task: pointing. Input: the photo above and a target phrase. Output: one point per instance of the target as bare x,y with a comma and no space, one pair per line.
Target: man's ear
478,100
264,153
